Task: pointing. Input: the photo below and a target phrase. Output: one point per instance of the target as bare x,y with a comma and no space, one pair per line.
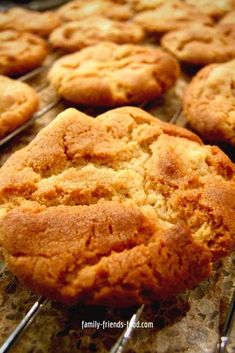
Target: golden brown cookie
227,25
110,74
123,205
199,44
18,102
40,23
76,35
229,18
20,52
213,8
170,15
81,10
209,102
142,5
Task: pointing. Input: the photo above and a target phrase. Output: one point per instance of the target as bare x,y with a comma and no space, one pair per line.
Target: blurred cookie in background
81,10
170,15
213,8
110,74
199,45
20,52
75,35
18,102
20,19
209,102
141,5
227,25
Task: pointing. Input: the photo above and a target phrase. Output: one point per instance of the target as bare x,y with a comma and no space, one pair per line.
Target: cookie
20,52
80,10
213,8
141,5
18,102
199,45
76,35
169,16
228,19
123,205
209,102
20,19
110,74
227,25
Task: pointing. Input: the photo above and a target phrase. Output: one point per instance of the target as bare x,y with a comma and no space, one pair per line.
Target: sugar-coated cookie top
123,205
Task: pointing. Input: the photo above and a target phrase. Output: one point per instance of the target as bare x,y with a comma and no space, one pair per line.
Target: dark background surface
32,4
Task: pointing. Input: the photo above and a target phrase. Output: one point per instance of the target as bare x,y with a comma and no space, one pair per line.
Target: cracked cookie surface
18,102
117,210
169,16
110,74
76,35
20,52
209,102
40,23
79,10
199,45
